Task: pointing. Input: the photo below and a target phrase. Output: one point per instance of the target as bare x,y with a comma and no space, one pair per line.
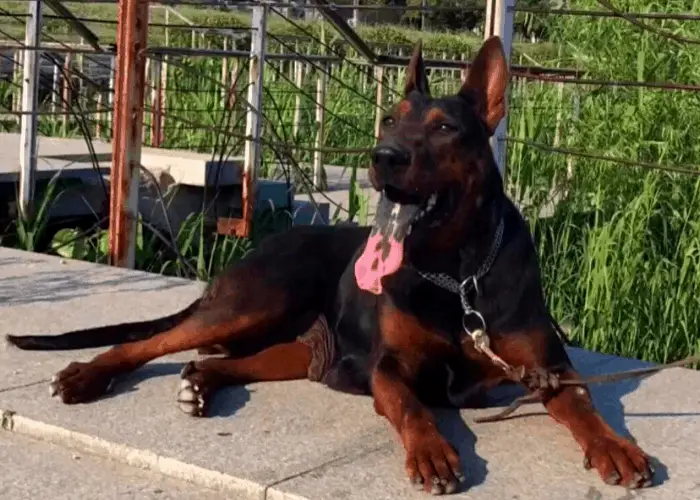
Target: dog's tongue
383,252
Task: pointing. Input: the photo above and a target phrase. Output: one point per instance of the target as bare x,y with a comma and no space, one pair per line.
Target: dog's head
433,163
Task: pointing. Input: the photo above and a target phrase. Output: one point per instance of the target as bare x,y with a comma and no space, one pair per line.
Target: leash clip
478,335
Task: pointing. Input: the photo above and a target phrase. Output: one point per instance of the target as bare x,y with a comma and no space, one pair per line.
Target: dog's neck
473,241
479,239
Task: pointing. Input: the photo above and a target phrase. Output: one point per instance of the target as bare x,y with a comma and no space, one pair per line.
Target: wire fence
321,101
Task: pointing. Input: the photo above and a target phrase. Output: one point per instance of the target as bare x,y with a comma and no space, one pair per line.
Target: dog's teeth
431,201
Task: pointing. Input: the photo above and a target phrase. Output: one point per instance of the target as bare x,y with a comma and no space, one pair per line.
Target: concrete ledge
73,156
299,440
34,469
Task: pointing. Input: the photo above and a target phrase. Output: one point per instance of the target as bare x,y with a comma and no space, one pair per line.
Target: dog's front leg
431,462
617,460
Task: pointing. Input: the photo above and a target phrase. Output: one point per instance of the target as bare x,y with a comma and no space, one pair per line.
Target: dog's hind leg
82,382
201,379
310,356
256,304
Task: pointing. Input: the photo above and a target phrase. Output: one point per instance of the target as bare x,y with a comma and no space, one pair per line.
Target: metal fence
292,103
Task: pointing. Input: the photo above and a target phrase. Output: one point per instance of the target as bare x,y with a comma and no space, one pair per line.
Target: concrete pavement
34,469
298,440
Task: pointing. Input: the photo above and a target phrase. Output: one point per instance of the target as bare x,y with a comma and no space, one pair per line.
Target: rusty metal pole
253,149
130,79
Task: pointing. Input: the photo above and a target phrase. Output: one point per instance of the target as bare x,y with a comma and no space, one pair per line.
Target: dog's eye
446,128
389,121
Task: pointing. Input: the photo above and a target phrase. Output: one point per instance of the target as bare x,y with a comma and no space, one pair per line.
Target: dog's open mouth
397,213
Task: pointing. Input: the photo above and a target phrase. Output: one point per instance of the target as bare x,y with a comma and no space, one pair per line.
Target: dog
388,310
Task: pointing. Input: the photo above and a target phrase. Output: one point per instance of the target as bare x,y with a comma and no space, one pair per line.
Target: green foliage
620,254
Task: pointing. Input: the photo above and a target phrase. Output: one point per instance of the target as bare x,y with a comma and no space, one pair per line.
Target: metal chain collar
447,282
450,284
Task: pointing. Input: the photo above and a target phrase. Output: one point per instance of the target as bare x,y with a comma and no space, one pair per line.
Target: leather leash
540,381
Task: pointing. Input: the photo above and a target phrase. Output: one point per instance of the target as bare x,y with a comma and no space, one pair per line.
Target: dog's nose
387,157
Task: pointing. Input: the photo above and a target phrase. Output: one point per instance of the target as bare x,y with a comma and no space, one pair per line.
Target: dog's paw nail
195,387
460,477
613,478
54,379
185,384
450,488
186,395
636,480
186,407
53,390
436,490
587,463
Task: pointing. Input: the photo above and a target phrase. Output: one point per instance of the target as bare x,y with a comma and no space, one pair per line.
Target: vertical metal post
321,84
355,13
253,149
298,82
224,74
499,22
82,84
67,91
127,129
164,78
99,116
110,94
17,78
56,88
285,10
380,101
156,103
30,103
574,122
557,125
147,117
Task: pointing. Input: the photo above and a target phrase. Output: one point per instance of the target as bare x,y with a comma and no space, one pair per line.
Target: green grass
436,43
620,254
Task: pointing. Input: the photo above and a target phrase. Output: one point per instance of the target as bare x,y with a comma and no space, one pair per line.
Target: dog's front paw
195,391
432,464
618,461
80,383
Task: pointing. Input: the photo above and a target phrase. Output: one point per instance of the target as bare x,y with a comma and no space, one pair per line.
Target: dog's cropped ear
487,80
416,79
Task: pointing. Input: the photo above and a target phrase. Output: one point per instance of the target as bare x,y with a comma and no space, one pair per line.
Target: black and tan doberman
384,310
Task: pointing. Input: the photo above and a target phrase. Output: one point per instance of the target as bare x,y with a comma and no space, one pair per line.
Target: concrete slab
54,153
34,469
297,440
530,457
42,294
72,155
